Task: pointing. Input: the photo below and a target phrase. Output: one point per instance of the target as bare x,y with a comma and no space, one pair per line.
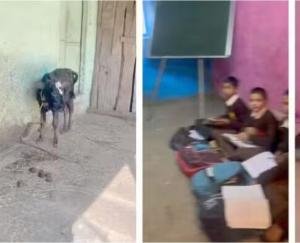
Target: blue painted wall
180,78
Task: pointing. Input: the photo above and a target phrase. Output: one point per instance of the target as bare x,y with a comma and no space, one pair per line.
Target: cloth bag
209,181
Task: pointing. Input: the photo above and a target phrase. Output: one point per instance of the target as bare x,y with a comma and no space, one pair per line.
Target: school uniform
283,134
277,190
281,157
237,112
265,124
277,194
267,127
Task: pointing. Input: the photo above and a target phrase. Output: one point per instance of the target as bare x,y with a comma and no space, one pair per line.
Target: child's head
285,102
229,87
258,99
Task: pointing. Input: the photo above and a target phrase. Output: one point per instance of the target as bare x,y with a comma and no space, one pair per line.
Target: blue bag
200,146
204,185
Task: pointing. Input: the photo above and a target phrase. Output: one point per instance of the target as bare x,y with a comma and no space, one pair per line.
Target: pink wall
298,59
260,48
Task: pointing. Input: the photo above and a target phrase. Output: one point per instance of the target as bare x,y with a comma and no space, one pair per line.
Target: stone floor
90,195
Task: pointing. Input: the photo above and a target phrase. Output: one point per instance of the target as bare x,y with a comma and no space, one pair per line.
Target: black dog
56,94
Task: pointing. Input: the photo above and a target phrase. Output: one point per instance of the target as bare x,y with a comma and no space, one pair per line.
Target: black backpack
212,221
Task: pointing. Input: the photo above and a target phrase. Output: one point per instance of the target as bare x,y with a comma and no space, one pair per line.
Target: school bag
212,222
189,169
200,146
180,139
203,128
209,181
197,157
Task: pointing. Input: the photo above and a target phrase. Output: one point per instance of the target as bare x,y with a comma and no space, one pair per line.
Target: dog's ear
38,87
46,78
75,77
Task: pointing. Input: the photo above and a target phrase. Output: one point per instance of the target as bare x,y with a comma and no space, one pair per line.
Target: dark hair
260,91
232,80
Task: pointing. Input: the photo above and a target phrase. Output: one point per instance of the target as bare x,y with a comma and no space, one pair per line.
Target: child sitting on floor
277,190
236,110
260,129
283,128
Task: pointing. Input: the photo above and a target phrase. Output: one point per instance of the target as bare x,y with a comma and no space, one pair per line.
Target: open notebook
237,142
259,163
246,207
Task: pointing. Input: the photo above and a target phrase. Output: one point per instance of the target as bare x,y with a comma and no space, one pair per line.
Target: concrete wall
33,41
260,48
29,47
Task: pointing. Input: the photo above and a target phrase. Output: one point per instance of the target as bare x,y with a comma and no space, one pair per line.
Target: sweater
267,130
237,113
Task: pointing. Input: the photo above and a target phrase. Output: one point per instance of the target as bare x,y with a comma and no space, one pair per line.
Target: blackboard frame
228,47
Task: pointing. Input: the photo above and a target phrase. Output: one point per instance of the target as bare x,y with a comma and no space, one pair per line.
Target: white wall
29,47
33,42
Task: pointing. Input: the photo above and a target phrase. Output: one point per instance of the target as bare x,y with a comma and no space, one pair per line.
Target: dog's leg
65,128
71,110
55,126
42,126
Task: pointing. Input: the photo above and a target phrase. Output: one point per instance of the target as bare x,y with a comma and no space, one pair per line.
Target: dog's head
41,96
49,93
43,88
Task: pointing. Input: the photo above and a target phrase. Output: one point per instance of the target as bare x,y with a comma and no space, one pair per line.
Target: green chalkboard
192,29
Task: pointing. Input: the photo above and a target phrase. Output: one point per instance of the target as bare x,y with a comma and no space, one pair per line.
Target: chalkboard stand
157,83
161,70
201,87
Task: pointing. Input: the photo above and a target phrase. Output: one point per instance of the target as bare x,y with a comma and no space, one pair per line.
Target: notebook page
259,163
237,142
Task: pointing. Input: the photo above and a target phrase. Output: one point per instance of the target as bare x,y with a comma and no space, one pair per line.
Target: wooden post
201,88
156,88
161,70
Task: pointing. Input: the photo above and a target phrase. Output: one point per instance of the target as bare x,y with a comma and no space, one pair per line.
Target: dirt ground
88,192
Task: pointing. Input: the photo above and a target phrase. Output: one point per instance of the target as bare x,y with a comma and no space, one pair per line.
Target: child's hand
224,120
221,121
242,136
250,131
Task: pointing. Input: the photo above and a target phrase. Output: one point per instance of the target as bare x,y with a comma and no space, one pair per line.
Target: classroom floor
169,206
170,213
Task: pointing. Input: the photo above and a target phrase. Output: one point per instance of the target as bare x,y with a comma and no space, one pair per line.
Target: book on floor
246,207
